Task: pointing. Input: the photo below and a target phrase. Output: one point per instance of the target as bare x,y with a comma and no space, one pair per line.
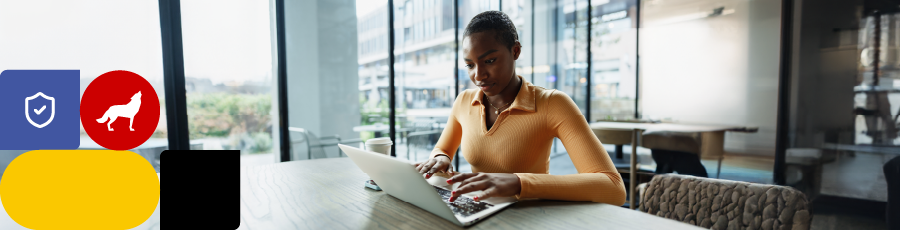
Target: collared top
524,100
519,142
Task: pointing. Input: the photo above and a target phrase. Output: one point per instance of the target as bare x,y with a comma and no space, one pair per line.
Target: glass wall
228,67
573,68
554,55
704,61
424,63
844,99
91,42
336,57
614,58
372,43
563,32
545,20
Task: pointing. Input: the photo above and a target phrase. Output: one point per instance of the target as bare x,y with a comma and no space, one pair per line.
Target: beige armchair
724,204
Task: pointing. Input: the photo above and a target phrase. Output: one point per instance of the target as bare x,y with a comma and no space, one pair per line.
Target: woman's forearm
596,187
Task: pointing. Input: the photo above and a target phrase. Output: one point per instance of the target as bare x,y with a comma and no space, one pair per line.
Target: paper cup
380,145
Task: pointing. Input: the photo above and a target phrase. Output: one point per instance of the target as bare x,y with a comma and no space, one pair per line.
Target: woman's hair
494,21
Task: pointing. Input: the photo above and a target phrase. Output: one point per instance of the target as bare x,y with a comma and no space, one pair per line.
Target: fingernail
427,176
452,199
448,181
476,198
453,192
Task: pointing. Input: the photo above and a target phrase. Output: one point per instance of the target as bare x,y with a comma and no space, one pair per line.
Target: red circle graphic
123,99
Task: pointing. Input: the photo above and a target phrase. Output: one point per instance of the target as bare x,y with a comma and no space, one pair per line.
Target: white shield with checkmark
28,111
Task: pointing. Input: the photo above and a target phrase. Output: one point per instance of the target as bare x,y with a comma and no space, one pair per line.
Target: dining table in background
620,133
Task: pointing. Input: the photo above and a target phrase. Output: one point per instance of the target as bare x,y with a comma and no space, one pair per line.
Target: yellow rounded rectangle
79,189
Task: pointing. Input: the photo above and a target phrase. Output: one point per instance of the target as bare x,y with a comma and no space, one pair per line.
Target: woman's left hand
493,184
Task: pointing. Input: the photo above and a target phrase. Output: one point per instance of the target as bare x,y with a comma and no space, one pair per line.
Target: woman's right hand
438,163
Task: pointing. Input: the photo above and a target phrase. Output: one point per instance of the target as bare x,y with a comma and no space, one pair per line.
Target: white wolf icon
127,110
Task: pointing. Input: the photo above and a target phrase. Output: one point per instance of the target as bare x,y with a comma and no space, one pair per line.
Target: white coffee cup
380,145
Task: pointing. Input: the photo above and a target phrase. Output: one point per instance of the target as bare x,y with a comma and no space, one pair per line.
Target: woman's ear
517,50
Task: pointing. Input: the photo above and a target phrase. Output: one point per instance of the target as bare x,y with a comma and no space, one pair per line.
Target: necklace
492,105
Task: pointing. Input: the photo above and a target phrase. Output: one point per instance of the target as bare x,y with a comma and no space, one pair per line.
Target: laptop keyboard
463,206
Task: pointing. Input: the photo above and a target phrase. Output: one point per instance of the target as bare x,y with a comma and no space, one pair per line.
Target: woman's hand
493,184
439,163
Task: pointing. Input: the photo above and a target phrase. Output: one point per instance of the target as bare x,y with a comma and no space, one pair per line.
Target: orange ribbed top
519,142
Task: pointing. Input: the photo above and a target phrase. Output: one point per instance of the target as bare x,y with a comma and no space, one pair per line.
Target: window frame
174,78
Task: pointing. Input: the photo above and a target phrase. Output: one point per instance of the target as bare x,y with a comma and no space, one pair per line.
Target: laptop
400,179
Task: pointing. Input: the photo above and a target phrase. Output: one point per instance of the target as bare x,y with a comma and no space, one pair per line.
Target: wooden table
329,194
620,133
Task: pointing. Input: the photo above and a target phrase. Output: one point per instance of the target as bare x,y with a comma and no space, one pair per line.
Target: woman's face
491,65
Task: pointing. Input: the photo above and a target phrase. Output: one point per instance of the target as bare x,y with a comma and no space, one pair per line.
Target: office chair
315,146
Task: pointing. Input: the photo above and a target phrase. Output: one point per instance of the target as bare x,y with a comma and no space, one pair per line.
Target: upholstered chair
724,204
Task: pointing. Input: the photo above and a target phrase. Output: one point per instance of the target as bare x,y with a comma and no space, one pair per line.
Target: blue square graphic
39,109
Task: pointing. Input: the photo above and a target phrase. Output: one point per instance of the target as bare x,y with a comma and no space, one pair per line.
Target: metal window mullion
456,66
173,74
588,90
784,91
533,51
637,60
391,95
282,82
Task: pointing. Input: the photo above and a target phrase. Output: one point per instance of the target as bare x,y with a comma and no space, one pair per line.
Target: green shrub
244,117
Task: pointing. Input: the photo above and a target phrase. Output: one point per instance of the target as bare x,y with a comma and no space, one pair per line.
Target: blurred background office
427,74
709,62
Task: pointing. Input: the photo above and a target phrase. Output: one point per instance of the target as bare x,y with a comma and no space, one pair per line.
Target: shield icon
52,109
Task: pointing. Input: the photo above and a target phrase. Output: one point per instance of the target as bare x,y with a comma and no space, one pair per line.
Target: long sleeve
452,134
597,179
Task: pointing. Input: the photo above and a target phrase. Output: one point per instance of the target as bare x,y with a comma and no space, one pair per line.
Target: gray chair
419,138
724,204
315,146
420,132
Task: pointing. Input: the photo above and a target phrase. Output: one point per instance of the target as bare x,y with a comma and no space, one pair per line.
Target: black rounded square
206,188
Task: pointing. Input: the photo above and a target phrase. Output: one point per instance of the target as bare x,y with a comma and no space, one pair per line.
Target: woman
507,125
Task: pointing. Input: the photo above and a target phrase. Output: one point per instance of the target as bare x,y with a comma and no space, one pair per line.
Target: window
613,41
229,80
337,77
91,42
373,102
423,78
